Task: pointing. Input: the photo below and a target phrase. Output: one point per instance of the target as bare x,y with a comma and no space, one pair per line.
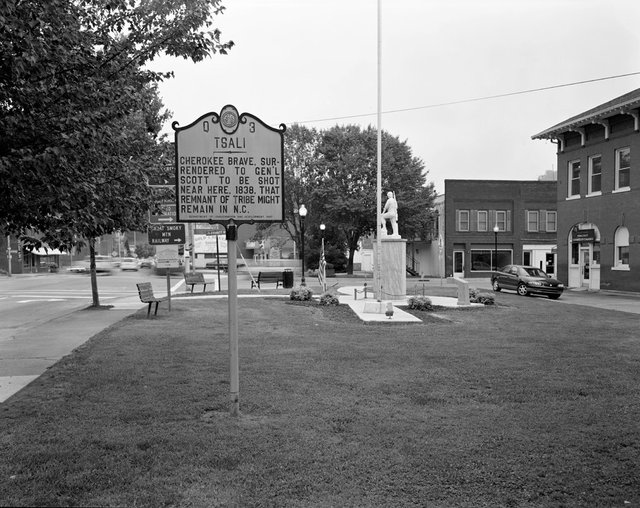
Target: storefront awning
48,252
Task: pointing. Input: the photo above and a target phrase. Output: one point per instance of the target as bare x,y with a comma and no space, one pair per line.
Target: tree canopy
333,172
79,112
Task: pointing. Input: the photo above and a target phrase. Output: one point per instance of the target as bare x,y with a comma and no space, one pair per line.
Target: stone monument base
393,268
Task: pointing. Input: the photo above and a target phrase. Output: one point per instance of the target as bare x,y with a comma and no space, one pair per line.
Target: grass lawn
527,403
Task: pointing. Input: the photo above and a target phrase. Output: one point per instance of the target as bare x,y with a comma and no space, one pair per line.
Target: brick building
491,223
599,195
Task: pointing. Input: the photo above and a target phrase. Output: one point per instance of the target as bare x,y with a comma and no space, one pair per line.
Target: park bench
145,291
193,278
268,277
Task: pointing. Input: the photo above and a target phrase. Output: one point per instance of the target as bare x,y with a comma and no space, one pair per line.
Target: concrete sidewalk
26,354
29,353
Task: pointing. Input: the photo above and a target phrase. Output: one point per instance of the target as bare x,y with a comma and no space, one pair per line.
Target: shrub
476,296
486,299
329,299
301,293
420,303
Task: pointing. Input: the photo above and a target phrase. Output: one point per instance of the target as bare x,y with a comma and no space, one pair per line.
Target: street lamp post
495,246
302,211
323,264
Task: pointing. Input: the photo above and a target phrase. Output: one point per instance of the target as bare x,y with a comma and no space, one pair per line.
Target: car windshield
535,272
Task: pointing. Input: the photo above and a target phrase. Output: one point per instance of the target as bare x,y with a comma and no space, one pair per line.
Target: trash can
287,279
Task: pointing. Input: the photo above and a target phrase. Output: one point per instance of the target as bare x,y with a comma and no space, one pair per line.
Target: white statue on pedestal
389,217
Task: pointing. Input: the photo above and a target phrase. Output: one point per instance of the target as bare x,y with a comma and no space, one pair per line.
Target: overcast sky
315,62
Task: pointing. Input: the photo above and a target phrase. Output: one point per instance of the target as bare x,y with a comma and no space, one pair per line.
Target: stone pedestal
393,268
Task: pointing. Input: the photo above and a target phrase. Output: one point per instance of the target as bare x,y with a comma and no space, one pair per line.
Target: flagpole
378,287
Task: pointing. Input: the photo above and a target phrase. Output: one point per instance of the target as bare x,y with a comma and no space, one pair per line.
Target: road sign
229,167
208,229
166,214
166,234
167,179
168,257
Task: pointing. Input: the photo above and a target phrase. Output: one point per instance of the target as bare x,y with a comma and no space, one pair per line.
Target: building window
463,220
533,223
575,253
595,174
501,220
485,260
595,255
483,220
622,249
623,166
574,179
552,222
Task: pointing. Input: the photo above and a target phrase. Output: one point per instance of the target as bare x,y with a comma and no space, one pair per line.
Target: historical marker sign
229,167
230,170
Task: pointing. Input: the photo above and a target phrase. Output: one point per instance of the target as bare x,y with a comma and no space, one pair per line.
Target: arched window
622,249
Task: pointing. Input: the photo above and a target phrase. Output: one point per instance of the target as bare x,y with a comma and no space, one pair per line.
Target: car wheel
522,290
554,297
496,286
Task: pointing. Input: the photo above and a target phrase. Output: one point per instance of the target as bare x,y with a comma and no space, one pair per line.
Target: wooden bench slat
145,292
276,277
193,278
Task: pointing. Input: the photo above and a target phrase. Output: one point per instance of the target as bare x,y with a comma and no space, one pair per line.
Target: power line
476,99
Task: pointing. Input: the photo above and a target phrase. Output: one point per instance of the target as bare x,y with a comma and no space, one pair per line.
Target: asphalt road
27,301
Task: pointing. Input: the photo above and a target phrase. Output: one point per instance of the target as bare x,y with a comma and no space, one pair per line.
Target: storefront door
550,263
585,266
458,263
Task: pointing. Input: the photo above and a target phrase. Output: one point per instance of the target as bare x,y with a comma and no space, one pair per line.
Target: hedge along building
599,195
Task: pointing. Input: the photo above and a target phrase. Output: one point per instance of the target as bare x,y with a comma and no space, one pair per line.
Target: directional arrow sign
166,234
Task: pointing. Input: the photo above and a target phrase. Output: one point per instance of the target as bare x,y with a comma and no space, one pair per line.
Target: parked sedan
526,280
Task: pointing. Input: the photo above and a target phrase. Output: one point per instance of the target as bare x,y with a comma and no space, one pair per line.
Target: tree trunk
352,244
350,263
92,271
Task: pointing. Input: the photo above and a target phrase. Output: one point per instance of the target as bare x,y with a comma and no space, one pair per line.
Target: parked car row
106,264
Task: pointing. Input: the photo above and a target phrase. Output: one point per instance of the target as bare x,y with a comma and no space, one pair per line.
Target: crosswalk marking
41,300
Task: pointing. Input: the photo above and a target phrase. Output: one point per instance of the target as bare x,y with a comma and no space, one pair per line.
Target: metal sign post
169,290
230,170
168,258
234,381
218,261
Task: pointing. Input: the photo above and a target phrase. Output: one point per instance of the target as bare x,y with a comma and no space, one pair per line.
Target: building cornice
627,104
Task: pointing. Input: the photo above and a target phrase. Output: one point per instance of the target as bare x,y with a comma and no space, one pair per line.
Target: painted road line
40,301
